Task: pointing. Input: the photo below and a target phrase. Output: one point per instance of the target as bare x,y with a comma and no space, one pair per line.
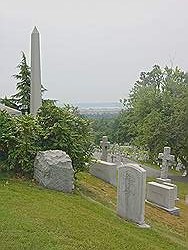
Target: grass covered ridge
32,217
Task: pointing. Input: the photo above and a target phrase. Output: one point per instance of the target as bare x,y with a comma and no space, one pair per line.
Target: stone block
175,189
53,169
106,171
162,196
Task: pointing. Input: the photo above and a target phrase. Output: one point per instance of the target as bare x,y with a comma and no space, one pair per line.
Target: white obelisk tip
36,98
35,30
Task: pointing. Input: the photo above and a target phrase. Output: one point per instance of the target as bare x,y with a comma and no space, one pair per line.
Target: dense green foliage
64,129
155,114
102,126
53,128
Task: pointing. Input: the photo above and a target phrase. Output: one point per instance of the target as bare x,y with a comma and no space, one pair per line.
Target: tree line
153,116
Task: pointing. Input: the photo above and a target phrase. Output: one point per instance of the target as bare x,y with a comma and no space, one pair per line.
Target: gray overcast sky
93,50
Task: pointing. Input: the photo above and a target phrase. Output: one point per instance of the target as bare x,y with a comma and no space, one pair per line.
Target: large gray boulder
53,169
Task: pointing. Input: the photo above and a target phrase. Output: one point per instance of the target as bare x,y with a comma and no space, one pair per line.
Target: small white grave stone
105,144
162,196
131,193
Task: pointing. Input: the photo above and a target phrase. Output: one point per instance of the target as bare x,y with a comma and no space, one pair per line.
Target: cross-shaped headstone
104,145
167,160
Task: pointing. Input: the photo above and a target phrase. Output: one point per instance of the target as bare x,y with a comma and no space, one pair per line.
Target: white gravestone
36,96
104,145
167,160
162,196
131,193
53,169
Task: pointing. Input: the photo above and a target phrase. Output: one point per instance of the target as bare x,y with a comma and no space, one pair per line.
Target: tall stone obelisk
36,96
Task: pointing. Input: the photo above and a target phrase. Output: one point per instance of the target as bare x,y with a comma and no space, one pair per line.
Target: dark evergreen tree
21,100
22,97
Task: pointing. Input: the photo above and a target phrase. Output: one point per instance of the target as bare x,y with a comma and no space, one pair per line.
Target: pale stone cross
167,159
104,145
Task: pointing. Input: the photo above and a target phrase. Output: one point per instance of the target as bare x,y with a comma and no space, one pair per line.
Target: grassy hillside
32,217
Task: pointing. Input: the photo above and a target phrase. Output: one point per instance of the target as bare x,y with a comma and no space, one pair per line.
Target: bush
20,141
53,128
65,130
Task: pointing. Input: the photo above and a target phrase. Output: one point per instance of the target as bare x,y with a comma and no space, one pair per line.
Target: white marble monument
162,196
36,96
167,160
131,193
105,144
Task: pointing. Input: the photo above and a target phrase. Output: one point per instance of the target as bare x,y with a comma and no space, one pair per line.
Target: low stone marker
162,196
131,193
53,169
106,171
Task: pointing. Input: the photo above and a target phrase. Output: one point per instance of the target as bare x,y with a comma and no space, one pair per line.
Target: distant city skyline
93,51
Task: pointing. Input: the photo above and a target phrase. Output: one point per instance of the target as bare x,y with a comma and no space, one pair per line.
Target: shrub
65,130
53,128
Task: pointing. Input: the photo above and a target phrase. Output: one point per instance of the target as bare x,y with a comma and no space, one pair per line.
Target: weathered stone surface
131,193
175,189
163,196
106,171
53,169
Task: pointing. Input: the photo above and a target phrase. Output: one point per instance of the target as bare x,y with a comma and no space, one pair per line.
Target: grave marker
131,193
105,144
167,160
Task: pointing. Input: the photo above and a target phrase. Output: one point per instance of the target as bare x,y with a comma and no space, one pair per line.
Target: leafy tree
102,126
155,114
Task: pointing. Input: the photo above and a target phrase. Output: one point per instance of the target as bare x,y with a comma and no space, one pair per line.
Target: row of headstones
114,157
116,153
162,193
166,158
131,190
53,169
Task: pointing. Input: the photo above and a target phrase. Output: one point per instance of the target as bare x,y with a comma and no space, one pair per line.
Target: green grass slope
32,217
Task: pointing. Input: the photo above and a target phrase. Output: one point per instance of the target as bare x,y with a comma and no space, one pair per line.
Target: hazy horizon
93,51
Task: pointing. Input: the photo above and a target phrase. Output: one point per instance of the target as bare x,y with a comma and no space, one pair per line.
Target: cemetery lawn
32,217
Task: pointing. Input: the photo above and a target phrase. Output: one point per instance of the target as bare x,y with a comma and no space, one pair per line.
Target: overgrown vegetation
53,128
